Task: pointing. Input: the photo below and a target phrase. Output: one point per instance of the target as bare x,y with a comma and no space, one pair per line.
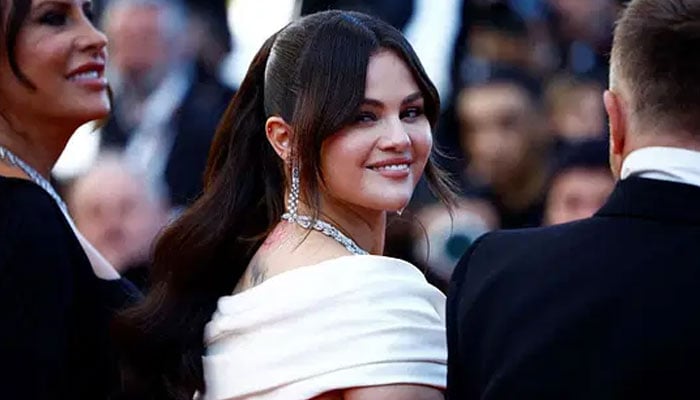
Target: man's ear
279,134
619,125
617,122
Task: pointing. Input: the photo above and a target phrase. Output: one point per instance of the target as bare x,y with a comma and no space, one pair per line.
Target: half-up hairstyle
312,74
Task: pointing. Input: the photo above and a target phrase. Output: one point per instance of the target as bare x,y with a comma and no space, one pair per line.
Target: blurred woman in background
57,294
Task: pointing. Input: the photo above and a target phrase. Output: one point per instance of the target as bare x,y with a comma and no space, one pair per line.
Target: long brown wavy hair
312,74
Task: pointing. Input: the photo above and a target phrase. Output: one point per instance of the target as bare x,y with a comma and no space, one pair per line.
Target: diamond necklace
307,222
327,229
35,176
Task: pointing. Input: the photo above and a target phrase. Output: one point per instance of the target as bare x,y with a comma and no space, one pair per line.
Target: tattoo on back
257,275
274,238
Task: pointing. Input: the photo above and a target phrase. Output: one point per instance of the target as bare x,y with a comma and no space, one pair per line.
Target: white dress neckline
305,268
346,322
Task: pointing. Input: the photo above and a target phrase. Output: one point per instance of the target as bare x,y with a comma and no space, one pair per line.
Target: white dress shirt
671,164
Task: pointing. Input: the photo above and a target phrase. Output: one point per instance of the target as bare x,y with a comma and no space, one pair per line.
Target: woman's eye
365,117
53,18
412,113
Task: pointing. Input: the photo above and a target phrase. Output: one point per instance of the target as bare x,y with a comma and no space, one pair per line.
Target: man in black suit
606,307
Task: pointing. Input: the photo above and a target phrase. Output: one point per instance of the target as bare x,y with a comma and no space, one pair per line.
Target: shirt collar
663,163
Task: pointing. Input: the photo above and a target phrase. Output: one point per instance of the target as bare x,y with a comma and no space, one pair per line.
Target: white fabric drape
347,322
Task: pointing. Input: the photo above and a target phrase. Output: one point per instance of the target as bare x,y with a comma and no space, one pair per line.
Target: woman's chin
396,206
92,116
93,111
100,114
384,203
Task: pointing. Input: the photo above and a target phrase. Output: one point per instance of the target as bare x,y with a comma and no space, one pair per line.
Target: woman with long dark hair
272,285
57,293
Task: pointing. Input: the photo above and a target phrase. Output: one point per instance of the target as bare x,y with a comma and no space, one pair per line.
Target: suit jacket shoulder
599,308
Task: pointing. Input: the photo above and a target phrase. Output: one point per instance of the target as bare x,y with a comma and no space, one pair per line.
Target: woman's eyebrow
408,99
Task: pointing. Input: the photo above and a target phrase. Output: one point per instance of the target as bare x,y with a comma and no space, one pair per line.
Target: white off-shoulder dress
347,322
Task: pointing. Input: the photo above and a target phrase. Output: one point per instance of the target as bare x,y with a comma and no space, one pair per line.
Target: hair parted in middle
312,74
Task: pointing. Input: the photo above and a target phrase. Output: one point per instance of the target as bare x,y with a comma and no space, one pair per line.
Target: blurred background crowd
523,129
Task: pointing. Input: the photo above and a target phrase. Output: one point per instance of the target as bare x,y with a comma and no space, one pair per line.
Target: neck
659,138
37,143
367,228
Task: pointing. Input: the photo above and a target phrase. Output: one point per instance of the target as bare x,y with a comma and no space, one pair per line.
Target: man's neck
655,137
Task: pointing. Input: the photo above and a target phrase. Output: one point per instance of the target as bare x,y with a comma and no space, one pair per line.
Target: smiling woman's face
375,163
63,55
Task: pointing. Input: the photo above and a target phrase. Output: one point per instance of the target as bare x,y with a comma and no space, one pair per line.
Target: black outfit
194,122
54,312
603,308
139,275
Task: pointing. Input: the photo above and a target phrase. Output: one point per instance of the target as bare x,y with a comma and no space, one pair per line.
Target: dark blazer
194,122
603,308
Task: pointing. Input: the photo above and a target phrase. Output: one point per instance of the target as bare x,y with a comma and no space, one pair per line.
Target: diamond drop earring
307,222
293,201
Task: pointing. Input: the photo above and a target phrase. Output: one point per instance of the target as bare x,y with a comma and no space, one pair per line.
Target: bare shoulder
285,249
335,395
394,392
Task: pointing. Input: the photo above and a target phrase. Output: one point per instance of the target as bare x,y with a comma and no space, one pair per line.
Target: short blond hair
655,58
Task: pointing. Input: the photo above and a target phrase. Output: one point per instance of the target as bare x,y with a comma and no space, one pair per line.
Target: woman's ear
279,134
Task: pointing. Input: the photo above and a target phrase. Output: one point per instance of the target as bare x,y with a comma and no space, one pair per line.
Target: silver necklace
327,229
35,176
307,222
